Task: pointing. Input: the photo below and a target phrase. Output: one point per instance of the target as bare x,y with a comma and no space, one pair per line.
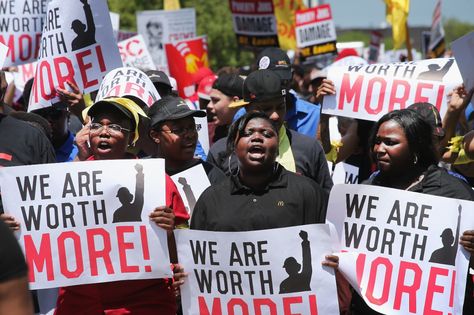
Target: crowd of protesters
268,139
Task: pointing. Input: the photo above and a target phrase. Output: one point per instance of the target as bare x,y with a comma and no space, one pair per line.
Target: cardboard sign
25,72
188,57
79,224
343,173
437,45
315,32
400,248
370,91
463,50
135,54
3,54
254,23
203,133
21,24
275,271
128,82
161,27
191,183
77,45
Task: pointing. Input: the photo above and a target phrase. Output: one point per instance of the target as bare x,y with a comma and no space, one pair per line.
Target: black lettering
199,252
28,188
221,280
236,282
33,216
421,246
98,211
54,216
352,235
373,230
262,251
204,280
266,281
95,181
235,255
68,214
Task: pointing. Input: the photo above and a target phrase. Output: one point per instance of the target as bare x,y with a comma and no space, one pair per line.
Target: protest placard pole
408,44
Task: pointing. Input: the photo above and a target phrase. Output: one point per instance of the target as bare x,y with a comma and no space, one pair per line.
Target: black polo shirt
308,154
288,200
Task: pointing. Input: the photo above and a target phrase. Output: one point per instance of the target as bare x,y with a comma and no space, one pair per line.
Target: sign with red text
135,53
88,223
400,249
160,27
21,24
128,81
188,57
254,23
77,45
370,91
315,32
191,183
276,271
25,72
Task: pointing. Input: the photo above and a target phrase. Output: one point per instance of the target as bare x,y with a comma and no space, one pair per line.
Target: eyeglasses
183,131
113,129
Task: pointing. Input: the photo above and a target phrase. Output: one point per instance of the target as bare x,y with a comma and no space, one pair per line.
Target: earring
230,170
415,160
275,167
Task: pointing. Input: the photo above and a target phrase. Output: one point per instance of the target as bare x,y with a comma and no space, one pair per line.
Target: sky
371,13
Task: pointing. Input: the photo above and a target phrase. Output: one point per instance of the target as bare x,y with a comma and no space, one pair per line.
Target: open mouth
104,146
256,152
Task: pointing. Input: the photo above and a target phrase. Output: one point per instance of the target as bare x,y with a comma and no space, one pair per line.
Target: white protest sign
463,49
115,20
3,54
344,173
370,91
135,54
203,133
25,72
79,224
128,82
400,248
77,45
21,24
160,27
191,183
276,271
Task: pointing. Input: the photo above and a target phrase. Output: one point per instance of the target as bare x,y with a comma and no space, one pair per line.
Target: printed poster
135,54
88,223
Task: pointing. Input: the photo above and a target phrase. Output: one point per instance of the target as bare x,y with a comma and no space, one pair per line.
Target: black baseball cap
275,59
431,115
260,86
171,108
229,84
160,77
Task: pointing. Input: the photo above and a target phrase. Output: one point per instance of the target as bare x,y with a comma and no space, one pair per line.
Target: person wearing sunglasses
176,134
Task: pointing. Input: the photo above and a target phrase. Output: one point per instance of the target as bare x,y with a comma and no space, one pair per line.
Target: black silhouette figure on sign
298,281
131,212
85,37
447,254
188,192
434,72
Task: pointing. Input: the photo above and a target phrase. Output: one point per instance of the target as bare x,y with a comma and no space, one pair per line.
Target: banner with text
77,45
88,223
135,54
160,27
370,91
275,271
254,23
401,249
21,24
315,32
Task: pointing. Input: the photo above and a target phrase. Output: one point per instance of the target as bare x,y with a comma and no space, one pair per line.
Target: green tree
454,29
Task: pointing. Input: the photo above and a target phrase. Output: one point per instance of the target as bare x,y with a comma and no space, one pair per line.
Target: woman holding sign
113,128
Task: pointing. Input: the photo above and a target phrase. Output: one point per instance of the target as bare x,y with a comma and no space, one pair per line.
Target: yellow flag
397,14
172,5
285,16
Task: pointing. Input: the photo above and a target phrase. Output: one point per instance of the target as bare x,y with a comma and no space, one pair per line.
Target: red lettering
134,89
380,261
439,97
39,259
360,266
313,305
432,289
288,301
258,303
11,46
216,306
244,310
42,81
146,250
100,58
419,98
370,89
95,254
347,93
61,63
25,52
27,71
401,100
63,256
451,295
409,289
84,67
131,51
123,247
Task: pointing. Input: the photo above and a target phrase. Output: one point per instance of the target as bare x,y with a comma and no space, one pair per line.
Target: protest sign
21,24
203,133
25,72
275,271
135,54
160,27
79,224
191,183
188,57
285,16
463,50
400,248
437,45
77,45
254,23
315,32
370,91
127,81
115,20
343,173
3,54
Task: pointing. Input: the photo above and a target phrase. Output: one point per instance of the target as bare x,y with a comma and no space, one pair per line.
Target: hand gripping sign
275,271
401,249
88,223
77,45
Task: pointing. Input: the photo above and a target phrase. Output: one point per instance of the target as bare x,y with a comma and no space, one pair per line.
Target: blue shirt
68,151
